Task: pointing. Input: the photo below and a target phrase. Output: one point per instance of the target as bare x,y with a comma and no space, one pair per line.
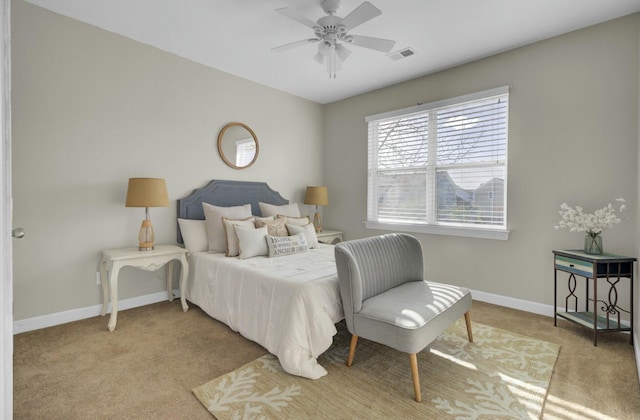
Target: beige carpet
500,375
148,367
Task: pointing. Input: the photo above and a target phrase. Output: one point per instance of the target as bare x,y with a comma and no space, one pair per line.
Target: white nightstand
114,259
329,236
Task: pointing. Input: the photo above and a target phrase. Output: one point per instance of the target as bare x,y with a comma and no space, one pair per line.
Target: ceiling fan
332,32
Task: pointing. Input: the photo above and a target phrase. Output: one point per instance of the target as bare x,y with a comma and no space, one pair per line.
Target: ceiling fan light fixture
342,52
319,58
325,47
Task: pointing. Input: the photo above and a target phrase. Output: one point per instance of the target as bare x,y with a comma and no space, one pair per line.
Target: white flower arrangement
576,220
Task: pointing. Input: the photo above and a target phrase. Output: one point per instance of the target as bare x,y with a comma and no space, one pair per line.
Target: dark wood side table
604,316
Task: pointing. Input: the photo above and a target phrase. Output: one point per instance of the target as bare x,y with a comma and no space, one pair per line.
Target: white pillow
232,238
194,235
298,221
215,229
252,242
309,232
272,210
286,245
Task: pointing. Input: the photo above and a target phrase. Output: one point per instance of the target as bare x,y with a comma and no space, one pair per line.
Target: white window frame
431,226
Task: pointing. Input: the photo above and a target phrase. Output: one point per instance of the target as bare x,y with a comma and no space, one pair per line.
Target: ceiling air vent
401,54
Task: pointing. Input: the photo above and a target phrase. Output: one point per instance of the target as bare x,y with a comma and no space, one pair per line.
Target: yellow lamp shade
317,196
147,192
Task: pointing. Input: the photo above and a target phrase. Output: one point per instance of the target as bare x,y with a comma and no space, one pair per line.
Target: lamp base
317,222
146,237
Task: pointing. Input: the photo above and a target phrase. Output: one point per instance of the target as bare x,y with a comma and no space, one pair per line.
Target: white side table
329,236
114,259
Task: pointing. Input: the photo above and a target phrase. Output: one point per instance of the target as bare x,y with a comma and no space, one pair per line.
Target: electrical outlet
98,280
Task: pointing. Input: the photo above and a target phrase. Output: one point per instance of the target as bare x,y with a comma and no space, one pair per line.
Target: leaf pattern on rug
513,356
500,375
492,402
270,363
517,355
237,387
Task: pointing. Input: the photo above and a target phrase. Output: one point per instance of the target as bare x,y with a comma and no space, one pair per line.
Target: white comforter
287,304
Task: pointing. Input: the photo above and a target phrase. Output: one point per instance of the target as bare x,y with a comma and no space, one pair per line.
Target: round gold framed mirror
238,145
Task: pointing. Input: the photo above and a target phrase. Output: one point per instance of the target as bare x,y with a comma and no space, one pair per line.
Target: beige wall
573,136
90,110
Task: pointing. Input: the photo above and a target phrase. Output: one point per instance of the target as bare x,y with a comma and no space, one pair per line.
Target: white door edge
6,255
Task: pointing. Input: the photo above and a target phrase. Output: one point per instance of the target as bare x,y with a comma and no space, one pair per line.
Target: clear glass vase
593,243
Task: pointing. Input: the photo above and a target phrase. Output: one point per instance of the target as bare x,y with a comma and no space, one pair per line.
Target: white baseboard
538,308
58,318
45,321
50,320
513,303
523,305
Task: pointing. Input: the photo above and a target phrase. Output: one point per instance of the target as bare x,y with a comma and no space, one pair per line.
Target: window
441,167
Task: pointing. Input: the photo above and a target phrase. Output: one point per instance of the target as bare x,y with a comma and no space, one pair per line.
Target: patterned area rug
499,375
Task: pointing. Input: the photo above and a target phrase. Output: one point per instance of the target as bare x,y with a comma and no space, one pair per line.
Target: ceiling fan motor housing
330,23
330,6
330,28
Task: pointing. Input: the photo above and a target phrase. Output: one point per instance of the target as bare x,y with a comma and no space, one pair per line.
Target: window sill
497,234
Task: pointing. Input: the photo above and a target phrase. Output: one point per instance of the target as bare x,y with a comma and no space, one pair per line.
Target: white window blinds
441,163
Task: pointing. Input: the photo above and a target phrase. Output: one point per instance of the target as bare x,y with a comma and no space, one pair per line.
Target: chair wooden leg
413,359
467,320
352,349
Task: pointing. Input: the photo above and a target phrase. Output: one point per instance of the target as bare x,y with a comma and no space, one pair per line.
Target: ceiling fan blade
290,45
292,14
366,11
378,44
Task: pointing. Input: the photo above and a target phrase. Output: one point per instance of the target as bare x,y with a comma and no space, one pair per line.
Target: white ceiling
236,36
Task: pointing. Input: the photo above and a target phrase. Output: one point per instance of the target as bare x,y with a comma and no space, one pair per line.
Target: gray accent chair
386,299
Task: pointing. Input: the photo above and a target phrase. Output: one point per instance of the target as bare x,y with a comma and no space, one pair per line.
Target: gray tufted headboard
226,194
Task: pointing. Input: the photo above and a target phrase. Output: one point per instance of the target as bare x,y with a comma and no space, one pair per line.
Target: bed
288,304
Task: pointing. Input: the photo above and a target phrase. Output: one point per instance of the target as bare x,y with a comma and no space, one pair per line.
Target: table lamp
319,197
147,192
